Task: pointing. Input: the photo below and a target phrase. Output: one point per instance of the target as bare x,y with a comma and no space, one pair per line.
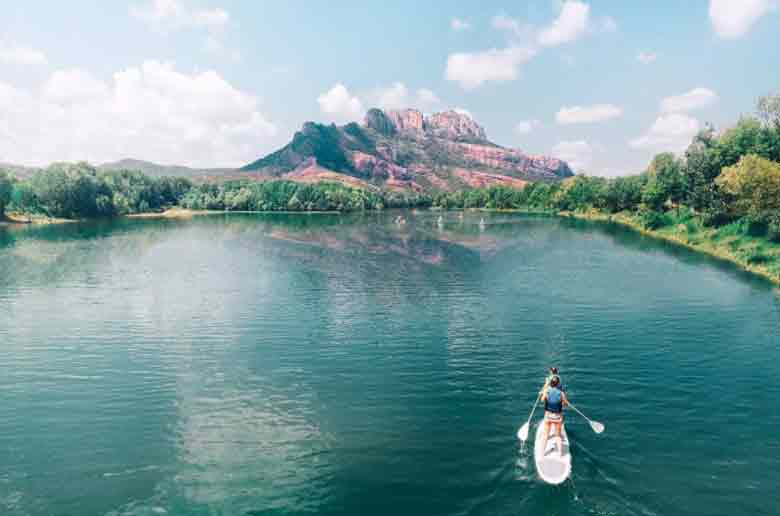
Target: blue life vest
554,401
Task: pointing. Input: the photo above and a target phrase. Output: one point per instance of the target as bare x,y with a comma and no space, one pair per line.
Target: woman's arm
544,388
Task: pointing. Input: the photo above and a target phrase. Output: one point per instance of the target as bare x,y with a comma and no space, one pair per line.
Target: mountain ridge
405,149
157,170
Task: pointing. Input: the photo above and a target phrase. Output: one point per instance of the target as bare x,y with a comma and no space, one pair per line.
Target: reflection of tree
630,239
52,254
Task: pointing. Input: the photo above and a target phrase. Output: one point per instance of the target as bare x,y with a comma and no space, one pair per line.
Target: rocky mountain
405,149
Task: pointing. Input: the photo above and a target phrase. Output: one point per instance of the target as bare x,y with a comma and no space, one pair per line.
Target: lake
275,364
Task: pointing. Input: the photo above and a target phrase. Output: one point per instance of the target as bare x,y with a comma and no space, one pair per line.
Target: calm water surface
344,365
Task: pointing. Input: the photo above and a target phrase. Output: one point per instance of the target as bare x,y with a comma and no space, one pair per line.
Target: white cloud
572,22
13,53
174,15
694,99
526,126
587,114
209,18
732,19
669,132
463,111
646,57
459,25
149,112
578,154
427,98
471,70
72,86
397,96
510,25
340,105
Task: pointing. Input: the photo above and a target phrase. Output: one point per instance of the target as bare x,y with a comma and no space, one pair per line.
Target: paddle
595,425
522,434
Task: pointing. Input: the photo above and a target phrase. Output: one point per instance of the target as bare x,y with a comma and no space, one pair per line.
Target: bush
756,228
6,188
773,227
756,256
716,214
652,219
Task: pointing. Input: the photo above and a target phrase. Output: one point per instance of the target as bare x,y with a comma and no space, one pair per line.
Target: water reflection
235,364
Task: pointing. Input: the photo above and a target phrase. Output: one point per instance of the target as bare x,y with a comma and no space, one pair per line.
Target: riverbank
756,255
23,219
171,213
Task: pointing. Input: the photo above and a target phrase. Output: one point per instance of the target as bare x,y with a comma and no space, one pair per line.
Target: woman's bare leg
546,434
558,435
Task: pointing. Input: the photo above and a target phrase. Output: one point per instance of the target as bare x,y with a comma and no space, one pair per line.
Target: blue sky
602,84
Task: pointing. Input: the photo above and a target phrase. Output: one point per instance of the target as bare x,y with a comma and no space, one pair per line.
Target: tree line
245,195
721,178
73,191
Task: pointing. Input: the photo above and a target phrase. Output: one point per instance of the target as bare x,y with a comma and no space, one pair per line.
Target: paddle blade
522,434
597,427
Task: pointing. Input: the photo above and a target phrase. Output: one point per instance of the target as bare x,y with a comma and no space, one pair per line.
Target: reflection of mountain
420,238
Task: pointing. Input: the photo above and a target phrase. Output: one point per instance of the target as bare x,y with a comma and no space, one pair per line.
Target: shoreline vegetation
720,197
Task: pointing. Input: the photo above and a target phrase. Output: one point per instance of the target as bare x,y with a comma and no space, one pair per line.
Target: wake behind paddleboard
551,466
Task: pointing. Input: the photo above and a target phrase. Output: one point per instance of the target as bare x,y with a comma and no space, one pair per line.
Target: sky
603,84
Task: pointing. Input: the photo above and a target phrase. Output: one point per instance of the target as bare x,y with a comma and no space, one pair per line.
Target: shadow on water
630,239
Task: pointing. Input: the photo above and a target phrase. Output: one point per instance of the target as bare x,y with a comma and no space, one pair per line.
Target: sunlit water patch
296,364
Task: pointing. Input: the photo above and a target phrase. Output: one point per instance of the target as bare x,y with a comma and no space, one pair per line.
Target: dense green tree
289,196
665,183
624,193
6,189
79,190
23,198
754,184
700,170
581,192
749,136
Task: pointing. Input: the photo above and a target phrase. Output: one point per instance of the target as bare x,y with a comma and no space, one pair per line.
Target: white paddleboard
551,466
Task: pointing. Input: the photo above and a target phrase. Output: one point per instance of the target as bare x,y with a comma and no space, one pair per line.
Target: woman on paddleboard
554,401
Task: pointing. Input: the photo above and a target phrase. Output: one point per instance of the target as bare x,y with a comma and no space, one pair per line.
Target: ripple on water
300,365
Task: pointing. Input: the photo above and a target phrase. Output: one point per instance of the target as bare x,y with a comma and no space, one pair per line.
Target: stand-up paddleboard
552,467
